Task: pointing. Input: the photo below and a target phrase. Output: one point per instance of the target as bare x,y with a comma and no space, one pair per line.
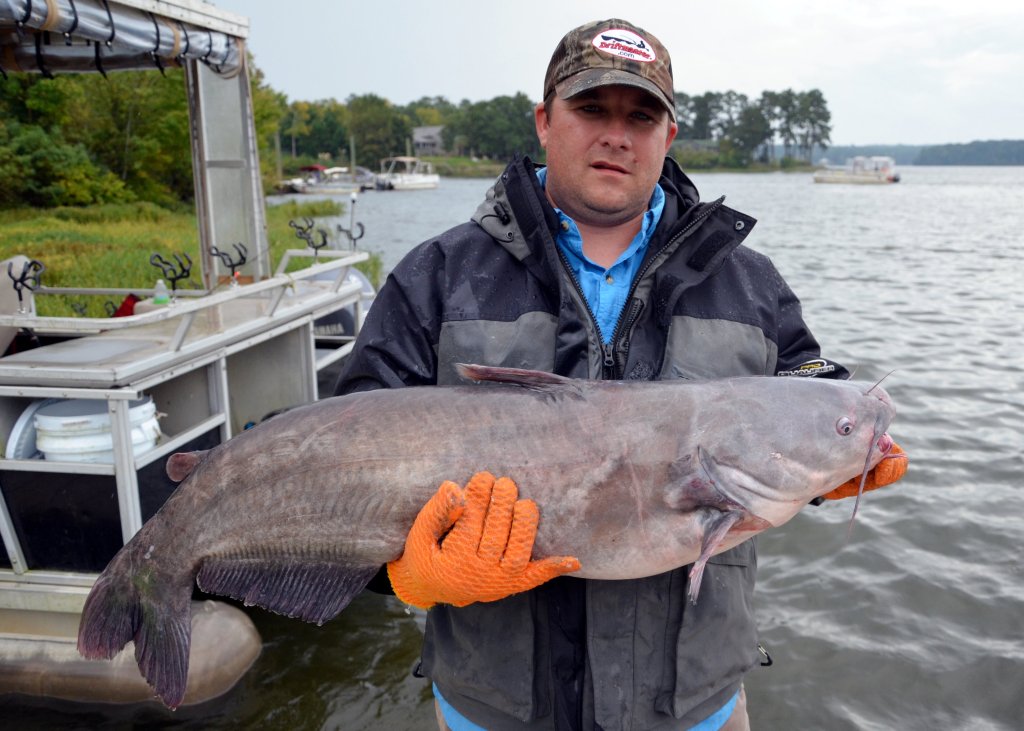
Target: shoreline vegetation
79,140
467,167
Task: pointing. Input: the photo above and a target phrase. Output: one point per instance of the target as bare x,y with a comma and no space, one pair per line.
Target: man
603,264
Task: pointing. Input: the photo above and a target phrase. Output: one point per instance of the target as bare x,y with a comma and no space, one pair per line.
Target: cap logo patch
624,44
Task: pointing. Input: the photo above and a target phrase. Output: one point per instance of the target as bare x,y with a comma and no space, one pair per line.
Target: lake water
916,621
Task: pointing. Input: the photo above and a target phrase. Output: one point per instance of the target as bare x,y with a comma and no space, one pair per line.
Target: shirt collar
569,234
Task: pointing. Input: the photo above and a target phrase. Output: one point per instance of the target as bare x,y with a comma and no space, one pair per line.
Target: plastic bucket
78,430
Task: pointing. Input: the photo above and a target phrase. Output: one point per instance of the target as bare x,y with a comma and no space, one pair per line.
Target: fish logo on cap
624,44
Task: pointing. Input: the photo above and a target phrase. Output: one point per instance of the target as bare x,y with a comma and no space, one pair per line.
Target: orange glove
484,557
892,467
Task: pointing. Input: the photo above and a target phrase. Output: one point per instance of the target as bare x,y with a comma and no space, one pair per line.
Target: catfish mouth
883,443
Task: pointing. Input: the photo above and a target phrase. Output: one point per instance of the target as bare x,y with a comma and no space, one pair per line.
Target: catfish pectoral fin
714,533
180,464
313,590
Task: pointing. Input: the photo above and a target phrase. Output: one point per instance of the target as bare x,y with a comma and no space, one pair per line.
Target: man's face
605,151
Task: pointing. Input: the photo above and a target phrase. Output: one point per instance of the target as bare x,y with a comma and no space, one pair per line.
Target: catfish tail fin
153,611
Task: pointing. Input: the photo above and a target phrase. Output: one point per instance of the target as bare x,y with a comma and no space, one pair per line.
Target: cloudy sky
892,71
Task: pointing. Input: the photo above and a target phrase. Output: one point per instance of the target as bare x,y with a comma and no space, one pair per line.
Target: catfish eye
844,426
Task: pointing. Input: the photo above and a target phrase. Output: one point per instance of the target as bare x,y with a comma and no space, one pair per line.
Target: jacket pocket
471,652
717,640
527,342
698,348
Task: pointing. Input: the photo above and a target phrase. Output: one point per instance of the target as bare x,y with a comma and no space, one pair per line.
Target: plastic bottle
160,294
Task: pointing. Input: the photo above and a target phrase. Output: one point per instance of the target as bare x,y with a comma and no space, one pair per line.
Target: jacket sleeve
397,344
799,352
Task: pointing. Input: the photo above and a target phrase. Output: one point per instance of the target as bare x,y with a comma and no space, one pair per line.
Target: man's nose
616,132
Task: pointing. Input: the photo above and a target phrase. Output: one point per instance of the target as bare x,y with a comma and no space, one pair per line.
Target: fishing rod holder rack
29,278
230,262
175,271
305,232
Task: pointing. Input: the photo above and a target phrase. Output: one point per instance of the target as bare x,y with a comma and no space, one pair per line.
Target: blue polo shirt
606,289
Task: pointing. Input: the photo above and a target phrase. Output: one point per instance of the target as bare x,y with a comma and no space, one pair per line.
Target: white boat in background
875,170
321,180
406,173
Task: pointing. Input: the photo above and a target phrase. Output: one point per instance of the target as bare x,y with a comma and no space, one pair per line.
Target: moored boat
874,170
320,180
406,173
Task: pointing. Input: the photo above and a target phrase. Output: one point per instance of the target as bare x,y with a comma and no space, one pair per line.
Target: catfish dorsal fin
181,464
533,380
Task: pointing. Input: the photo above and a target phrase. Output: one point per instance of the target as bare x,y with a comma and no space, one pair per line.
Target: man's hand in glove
485,555
892,467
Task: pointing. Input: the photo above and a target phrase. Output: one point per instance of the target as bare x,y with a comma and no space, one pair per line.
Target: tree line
749,130
494,129
988,152
498,128
83,139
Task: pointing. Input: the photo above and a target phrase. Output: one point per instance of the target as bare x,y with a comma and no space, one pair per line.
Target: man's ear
540,119
673,129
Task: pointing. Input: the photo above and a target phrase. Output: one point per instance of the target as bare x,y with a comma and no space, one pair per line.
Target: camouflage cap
610,52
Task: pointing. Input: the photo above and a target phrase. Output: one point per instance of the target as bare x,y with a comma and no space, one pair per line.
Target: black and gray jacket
576,653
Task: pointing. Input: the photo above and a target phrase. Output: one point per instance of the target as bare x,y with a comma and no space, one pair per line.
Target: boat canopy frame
105,35
48,36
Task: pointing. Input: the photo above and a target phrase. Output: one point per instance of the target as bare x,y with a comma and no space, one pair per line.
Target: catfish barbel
632,478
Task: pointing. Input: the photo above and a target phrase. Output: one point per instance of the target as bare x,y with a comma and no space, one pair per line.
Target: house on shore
427,140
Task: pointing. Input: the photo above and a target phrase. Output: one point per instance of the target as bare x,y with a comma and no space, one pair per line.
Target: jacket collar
518,216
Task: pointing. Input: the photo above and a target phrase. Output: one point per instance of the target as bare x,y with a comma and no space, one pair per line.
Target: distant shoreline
979,152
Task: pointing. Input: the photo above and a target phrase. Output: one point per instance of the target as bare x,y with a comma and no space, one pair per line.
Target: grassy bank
109,246
466,167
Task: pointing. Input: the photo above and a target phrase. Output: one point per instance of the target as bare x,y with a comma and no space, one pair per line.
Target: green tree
813,122
729,107
328,130
51,172
269,108
684,116
136,124
706,108
499,128
785,120
380,130
752,131
430,110
296,123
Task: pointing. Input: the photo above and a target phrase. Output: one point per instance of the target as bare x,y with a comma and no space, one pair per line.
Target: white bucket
78,430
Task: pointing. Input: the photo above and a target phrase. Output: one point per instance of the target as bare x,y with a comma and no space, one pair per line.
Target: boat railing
190,303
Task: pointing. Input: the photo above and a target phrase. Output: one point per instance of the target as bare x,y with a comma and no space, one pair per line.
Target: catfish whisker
879,381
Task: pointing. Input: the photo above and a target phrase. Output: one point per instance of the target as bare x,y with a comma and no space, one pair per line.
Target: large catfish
633,479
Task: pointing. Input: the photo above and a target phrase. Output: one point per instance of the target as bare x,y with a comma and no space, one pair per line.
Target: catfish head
771,451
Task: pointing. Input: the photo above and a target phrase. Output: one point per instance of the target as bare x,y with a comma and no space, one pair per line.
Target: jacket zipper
605,354
608,351
610,367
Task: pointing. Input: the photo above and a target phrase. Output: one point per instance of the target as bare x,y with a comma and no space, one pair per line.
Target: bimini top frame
81,36
49,36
